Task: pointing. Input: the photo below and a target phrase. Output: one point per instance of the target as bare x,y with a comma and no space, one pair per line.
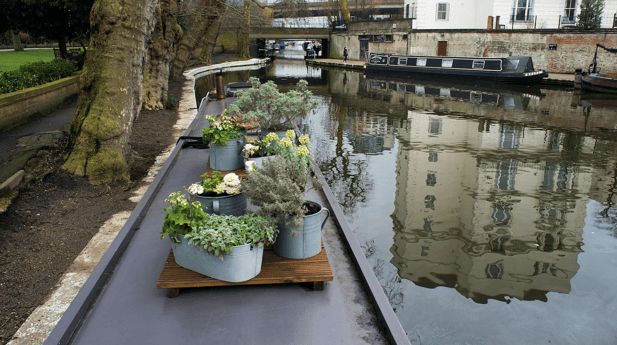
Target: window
434,126
522,11
429,202
421,62
431,179
446,62
407,11
478,64
402,61
442,11
414,10
569,15
433,157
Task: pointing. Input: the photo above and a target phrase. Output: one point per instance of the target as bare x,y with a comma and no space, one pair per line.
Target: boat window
478,64
379,59
402,61
446,62
393,61
411,61
512,65
421,62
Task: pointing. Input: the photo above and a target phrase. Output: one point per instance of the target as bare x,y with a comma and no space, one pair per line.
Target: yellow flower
285,142
290,134
304,139
303,151
270,137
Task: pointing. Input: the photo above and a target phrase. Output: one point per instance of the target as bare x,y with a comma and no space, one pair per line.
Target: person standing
345,53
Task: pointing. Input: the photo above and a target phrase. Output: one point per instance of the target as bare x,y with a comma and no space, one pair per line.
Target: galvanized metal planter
228,157
259,161
308,241
242,264
229,205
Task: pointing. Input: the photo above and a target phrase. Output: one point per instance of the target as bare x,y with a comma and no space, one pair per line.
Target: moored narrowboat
595,81
512,69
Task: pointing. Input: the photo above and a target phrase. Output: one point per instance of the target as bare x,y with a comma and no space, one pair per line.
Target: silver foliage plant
279,188
270,108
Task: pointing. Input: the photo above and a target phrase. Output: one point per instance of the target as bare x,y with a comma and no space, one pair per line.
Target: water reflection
484,211
503,96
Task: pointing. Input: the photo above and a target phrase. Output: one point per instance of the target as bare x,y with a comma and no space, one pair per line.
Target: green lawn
11,60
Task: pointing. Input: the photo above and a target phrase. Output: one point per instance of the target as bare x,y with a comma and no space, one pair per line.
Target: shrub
172,102
34,74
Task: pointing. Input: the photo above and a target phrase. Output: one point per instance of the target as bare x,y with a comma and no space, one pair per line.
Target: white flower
231,180
196,188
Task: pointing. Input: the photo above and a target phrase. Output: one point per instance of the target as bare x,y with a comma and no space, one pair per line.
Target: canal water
486,212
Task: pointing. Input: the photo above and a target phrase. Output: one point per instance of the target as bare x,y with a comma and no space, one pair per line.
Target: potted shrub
279,188
258,151
222,247
272,110
219,194
226,140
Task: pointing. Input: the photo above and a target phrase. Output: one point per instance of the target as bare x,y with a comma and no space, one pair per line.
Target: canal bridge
261,34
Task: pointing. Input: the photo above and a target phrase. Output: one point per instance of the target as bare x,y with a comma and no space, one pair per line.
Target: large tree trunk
161,52
243,34
62,47
110,89
210,41
194,35
16,41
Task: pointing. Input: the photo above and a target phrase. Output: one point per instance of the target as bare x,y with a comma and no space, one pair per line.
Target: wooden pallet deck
274,270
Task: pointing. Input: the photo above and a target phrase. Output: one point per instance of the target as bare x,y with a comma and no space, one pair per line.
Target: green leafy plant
215,184
172,102
181,216
271,109
261,148
218,234
34,74
221,130
280,186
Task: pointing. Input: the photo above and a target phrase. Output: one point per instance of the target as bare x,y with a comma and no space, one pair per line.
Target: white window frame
444,13
527,8
569,8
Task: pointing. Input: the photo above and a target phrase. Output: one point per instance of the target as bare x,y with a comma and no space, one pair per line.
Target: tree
161,52
57,20
110,89
591,14
10,19
204,16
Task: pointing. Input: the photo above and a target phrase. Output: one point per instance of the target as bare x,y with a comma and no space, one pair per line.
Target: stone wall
16,107
573,48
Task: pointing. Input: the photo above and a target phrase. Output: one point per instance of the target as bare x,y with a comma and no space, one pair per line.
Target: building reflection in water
491,210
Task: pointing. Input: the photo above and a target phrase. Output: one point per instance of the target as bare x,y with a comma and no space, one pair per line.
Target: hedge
34,74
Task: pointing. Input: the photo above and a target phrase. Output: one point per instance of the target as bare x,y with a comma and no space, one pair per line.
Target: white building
512,14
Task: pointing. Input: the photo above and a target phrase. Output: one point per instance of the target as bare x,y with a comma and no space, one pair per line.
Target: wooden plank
274,270
240,172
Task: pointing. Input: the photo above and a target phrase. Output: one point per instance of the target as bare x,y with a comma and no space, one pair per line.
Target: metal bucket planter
242,264
227,157
259,161
308,241
229,205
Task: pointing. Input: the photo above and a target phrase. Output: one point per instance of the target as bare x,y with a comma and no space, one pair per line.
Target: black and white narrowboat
512,69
